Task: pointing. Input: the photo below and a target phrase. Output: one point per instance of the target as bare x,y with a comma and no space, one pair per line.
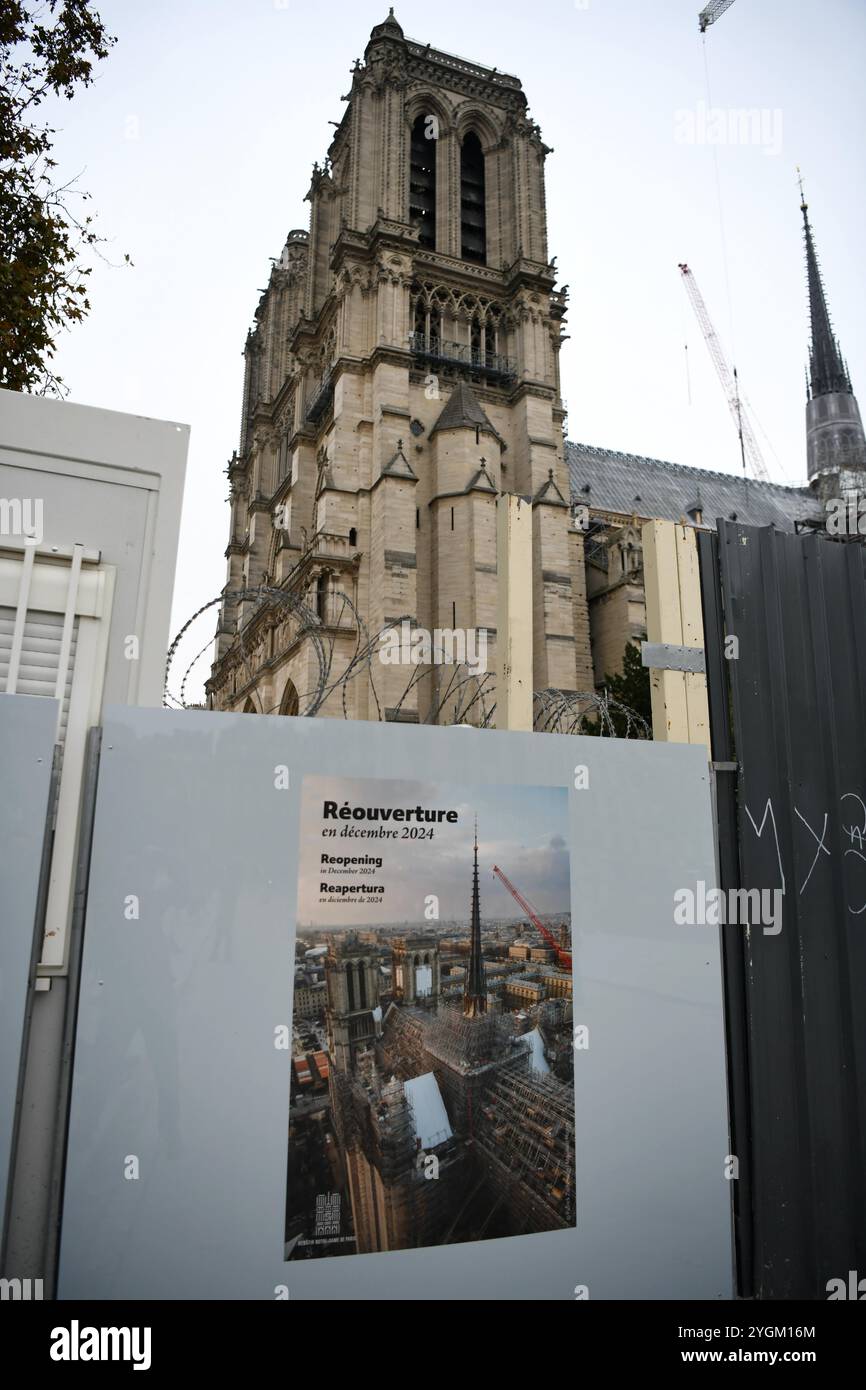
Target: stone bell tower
352,980
402,371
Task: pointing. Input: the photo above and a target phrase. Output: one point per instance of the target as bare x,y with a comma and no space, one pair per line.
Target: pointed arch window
427,326
290,702
473,219
322,597
475,341
422,183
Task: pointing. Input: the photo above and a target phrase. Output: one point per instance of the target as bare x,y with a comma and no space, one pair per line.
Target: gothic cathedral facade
402,372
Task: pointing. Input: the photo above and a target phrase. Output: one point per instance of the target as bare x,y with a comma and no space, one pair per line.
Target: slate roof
399,466
462,411
652,488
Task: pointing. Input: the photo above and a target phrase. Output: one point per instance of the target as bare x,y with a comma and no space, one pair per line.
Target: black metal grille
440,351
321,400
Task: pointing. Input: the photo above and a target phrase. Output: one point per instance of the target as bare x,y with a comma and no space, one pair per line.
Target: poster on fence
404,1012
432,1079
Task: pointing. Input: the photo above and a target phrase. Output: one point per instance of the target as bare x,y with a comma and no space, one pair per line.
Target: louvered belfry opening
473,222
422,183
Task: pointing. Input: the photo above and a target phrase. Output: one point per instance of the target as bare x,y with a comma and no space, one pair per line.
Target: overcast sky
198,138
522,829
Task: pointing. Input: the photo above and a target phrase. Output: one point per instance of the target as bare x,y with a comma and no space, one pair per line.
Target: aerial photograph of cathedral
432,1097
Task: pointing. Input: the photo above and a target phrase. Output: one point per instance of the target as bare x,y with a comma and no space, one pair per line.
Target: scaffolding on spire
475,993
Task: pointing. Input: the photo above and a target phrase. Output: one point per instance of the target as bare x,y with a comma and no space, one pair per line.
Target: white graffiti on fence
855,834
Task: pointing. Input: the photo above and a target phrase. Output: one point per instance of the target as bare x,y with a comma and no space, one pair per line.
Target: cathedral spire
835,441
827,370
475,991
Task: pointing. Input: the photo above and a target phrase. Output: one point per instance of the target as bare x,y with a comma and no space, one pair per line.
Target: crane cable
705,21
720,205
744,403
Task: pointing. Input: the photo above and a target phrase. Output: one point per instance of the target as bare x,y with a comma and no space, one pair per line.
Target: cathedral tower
417,969
352,978
402,371
834,431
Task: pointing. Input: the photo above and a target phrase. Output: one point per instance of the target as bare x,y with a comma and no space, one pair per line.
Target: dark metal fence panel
732,942
796,692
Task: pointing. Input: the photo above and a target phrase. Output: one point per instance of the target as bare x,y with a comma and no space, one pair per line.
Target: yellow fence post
674,618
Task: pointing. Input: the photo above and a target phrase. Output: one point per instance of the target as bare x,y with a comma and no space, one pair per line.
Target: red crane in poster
563,957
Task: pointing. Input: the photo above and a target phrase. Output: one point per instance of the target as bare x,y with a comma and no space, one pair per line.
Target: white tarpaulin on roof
537,1059
428,1110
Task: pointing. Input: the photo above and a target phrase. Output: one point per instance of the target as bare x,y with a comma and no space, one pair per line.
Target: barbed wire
258,595
456,693
585,711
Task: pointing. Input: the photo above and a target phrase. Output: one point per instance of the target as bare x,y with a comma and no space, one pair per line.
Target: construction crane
730,385
563,957
710,13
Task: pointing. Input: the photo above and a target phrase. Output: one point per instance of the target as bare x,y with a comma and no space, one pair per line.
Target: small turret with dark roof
388,29
466,447
462,411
